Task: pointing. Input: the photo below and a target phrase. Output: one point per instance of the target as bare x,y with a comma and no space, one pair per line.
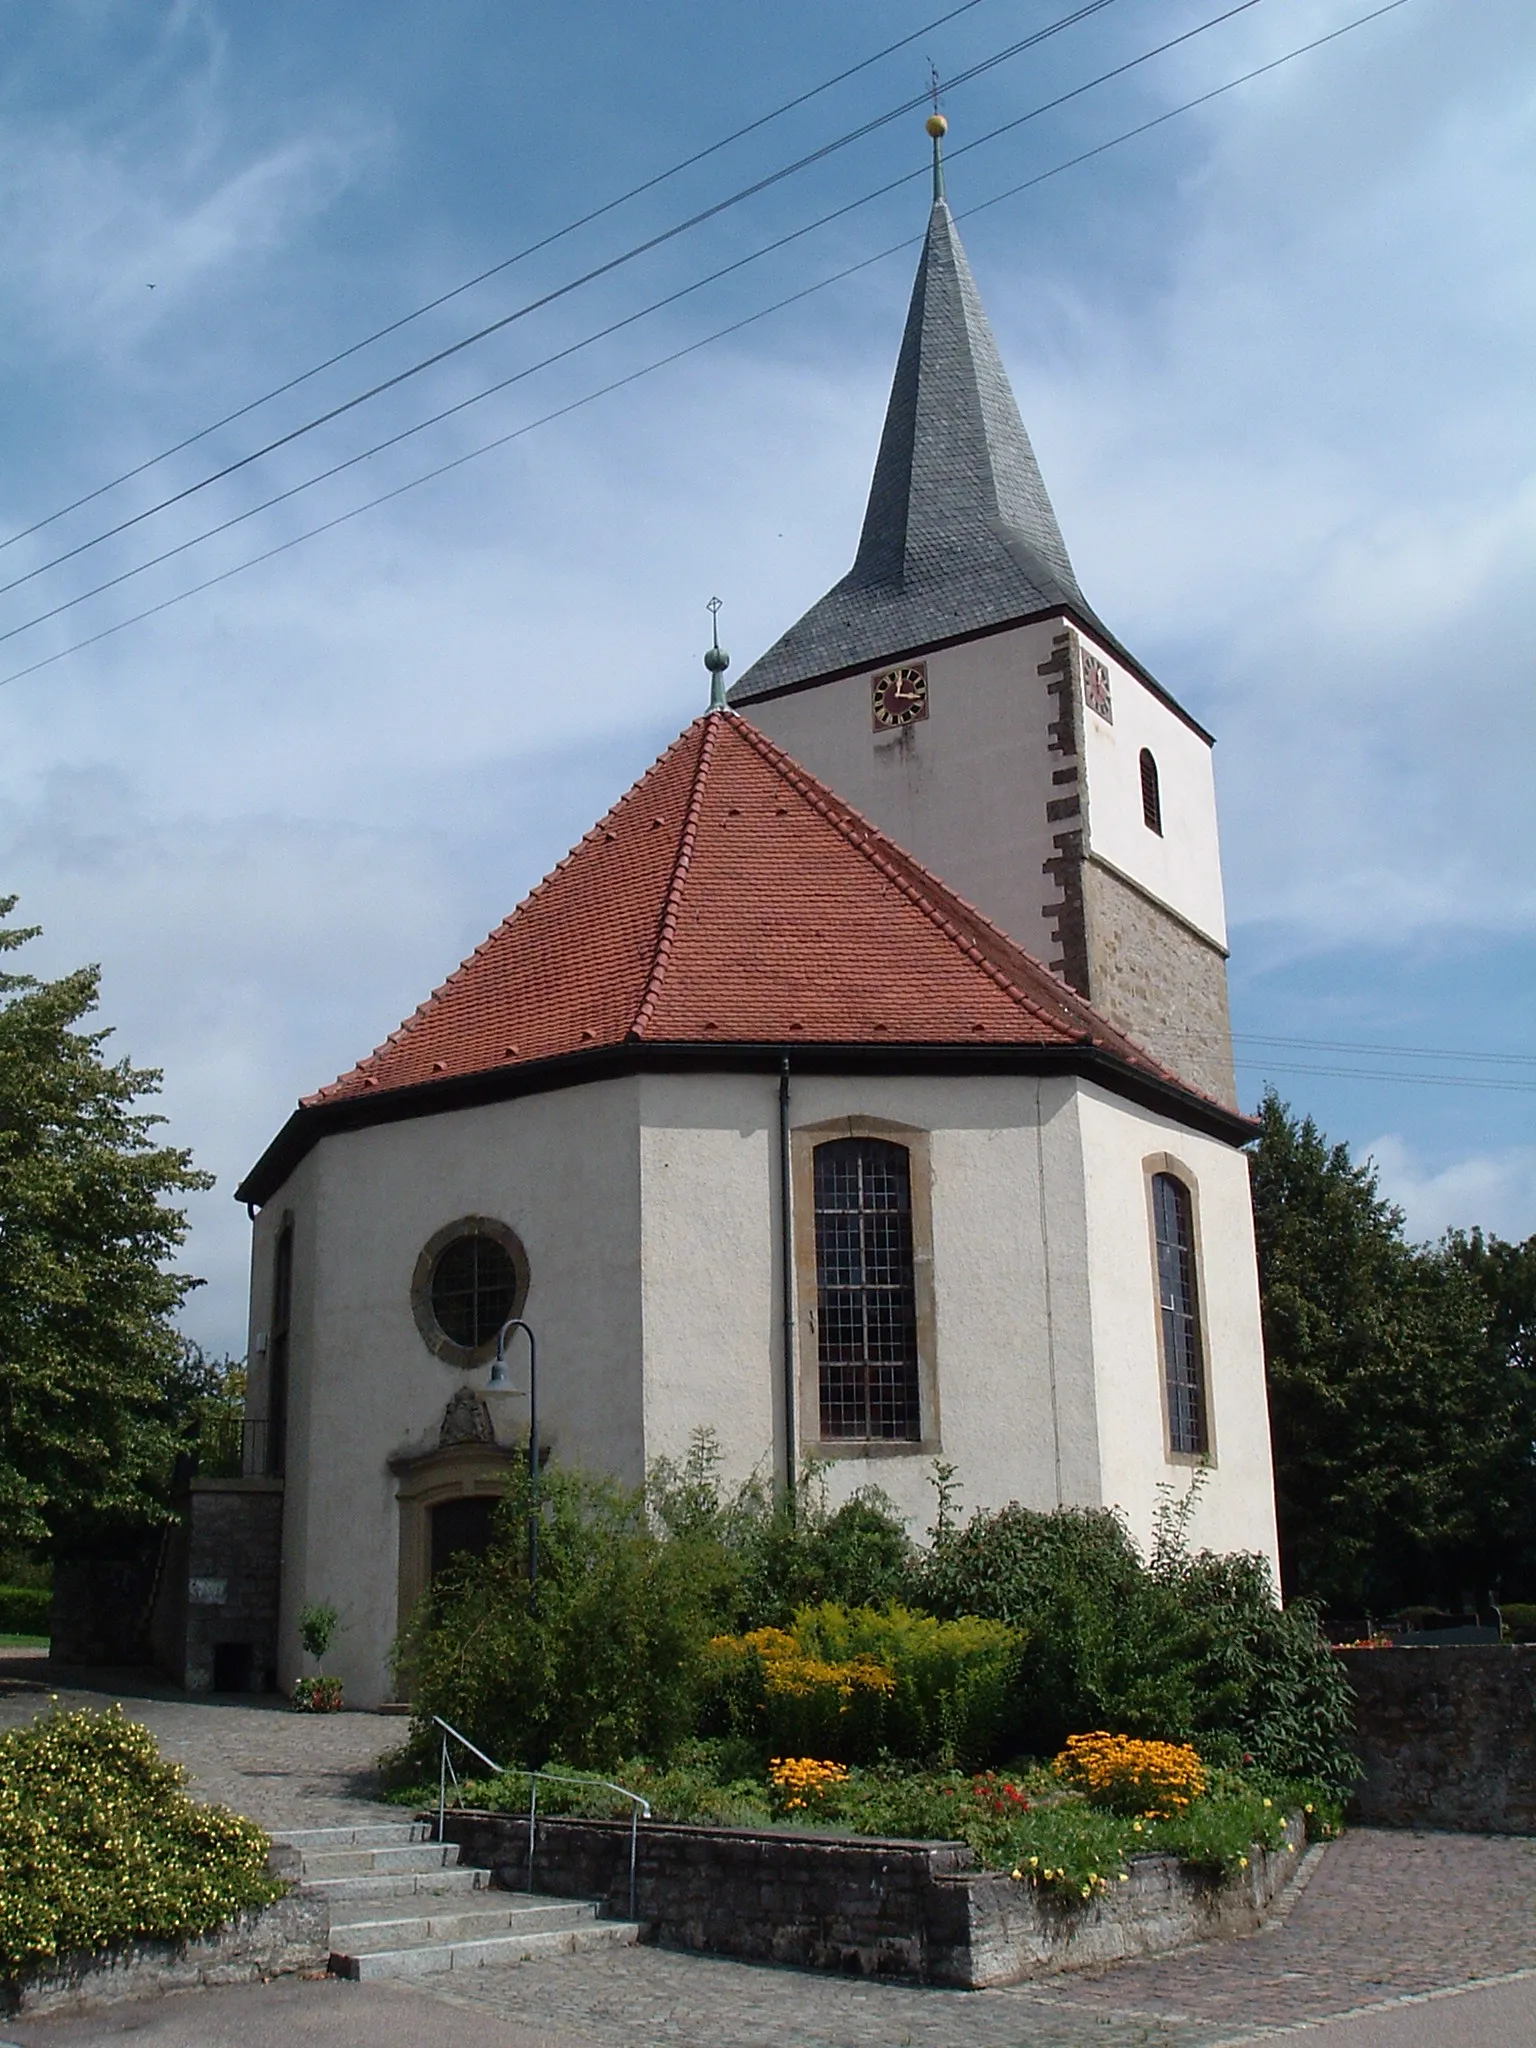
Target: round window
474,1284
468,1281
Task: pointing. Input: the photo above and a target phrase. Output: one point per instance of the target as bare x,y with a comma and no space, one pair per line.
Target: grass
8,1642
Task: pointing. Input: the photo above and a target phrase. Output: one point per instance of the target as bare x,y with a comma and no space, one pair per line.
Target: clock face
899,696
1096,687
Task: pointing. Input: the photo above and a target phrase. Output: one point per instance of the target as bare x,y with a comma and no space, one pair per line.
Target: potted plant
318,1623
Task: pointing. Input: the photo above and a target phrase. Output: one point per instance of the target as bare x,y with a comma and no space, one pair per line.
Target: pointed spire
959,533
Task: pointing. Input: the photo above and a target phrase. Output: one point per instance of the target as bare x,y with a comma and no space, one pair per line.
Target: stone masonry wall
873,1908
1159,981
290,1936
1447,1737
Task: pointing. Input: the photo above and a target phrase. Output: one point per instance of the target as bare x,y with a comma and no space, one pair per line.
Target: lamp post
499,1379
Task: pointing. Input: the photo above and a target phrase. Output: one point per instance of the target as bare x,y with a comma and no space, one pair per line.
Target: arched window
1179,1307
1151,794
865,1292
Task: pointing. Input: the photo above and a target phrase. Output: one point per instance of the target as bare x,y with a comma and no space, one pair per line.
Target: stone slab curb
291,1935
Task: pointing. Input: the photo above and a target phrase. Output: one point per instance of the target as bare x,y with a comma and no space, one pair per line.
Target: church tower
959,689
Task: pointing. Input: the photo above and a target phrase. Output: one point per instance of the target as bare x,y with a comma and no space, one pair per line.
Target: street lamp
499,1381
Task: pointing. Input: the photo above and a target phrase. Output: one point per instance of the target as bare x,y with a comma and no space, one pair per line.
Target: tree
1397,1424
94,1379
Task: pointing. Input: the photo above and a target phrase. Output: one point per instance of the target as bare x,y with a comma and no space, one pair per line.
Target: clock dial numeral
898,696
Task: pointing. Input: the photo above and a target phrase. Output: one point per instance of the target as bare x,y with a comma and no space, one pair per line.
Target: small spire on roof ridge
716,660
938,128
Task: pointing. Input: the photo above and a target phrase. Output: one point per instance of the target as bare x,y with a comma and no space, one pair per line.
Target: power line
691,348
601,334
1497,1083
531,249
1407,1052
600,270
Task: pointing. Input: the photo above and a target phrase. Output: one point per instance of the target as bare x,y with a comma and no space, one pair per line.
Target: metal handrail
639,1805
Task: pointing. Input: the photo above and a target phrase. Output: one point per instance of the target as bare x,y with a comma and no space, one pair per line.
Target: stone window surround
463,1358
803,1141
1169,1163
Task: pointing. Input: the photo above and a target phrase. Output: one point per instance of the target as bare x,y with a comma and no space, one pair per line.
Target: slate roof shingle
959,533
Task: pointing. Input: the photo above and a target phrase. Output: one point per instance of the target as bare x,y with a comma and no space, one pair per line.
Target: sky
1274,353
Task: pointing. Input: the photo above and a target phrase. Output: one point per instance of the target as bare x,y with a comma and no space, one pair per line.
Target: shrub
1176,1648
24,1610
610,1664
760,1556
1519,1618
99,1844
318,1623
1156,1779
853,1683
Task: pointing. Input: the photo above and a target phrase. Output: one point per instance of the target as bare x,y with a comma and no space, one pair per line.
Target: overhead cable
587,341
558,292
687,163
691,348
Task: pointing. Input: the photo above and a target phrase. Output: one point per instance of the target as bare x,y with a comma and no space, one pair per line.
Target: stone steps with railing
402,1905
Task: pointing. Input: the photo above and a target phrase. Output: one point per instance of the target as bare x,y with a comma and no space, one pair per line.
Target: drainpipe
787,1283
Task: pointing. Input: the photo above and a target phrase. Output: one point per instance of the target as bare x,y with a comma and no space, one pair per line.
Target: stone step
365,1835
432,1959
387,1858
367,1931
401,1884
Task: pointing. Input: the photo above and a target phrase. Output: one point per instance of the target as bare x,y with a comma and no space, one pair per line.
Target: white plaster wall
1182,868
1236,1509
709,1180
562,1171
964,790
1010,1286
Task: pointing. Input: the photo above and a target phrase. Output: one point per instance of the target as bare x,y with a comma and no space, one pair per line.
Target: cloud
1282,403
1494,1189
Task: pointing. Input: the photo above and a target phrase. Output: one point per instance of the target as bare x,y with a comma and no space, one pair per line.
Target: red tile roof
730,897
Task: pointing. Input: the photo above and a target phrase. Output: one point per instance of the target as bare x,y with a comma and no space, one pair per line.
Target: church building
858,1089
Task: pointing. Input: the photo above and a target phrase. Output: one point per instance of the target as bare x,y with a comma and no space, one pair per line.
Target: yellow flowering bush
803,1783
856,1682
1127,1775
99,1844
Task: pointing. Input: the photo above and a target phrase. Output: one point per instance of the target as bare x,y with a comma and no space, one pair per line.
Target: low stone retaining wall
853,1903
292,1934
1447,1737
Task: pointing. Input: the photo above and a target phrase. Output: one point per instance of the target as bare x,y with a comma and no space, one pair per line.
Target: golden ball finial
936,126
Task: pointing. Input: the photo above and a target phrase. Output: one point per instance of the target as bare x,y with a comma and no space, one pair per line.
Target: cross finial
938,128
716,660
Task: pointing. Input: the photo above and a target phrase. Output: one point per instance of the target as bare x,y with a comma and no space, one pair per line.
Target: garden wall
291,1935
1447,1737
876,1908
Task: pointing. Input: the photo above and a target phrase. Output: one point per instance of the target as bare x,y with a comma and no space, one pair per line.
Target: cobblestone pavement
1385,1915
250,1752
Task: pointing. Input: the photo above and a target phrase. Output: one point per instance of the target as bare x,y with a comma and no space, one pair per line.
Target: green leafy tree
95,1383
1395,1420
1505,1276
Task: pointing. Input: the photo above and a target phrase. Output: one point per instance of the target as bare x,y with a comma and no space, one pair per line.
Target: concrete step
433,1959
367,1929
365,1835
383,1860
453,1882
